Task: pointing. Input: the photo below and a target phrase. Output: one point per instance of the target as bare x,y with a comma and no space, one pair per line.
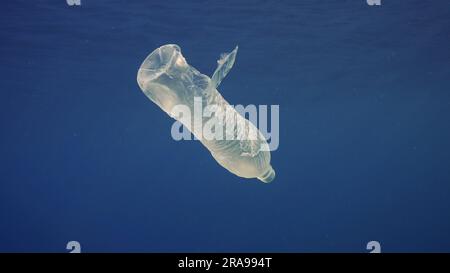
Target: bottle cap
268,176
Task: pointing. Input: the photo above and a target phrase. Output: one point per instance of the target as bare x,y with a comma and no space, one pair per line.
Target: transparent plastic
168,80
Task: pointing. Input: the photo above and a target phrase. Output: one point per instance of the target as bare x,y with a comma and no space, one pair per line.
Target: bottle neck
268,176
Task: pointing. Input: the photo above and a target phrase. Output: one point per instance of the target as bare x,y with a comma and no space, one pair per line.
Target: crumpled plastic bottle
168,80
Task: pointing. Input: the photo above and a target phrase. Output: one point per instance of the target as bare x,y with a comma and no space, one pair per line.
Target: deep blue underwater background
364,95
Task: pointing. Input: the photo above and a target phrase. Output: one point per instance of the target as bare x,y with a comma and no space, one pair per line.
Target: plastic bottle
168,80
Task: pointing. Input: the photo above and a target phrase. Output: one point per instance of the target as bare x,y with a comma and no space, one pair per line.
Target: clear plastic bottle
168,80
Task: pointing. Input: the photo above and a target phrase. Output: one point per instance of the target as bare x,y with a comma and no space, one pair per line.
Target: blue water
364,127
